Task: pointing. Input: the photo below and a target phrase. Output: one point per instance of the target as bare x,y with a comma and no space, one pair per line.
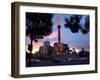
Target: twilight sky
74,40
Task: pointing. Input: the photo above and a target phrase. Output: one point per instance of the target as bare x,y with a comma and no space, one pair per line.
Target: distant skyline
74,40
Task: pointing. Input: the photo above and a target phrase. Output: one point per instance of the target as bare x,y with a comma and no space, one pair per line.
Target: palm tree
73,23
38,25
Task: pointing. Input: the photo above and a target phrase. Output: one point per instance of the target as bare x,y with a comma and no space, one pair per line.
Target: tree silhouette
73,23
38,25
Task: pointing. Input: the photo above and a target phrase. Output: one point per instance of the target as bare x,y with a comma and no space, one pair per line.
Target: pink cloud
53,35
27,40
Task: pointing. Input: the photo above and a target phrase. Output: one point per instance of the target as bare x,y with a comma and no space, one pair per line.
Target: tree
73,23
38,25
